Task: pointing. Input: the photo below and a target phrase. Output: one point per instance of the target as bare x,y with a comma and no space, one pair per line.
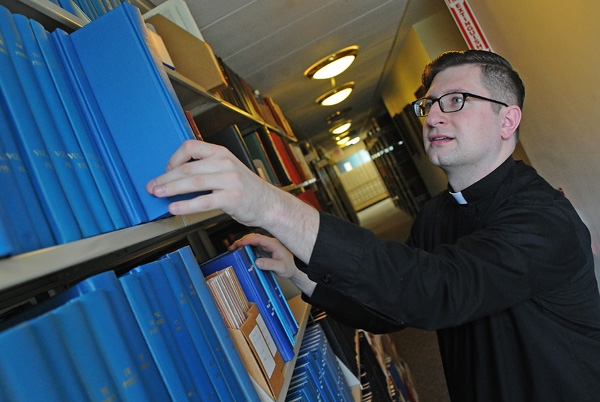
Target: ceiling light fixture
336,95
341,128
332,65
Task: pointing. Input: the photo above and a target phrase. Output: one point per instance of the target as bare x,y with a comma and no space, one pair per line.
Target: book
96,219
48,131
206,309
175,325
276,161
13,207
126,325
257,151
152,324
7,247
282,308
137,99
231,138
197,332
25,372
27,136
13,163
255,292
289,162
99,131
193,125
80,129
73,326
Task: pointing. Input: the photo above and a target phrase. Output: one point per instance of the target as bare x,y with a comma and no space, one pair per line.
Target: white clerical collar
458,197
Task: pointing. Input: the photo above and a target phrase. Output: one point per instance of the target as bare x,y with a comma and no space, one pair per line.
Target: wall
554,46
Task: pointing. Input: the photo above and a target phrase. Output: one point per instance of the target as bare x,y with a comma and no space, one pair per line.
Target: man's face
466,141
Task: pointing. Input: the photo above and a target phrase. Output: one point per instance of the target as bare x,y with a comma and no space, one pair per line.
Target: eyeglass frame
465,95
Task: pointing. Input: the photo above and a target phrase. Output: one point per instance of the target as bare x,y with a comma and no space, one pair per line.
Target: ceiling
270,43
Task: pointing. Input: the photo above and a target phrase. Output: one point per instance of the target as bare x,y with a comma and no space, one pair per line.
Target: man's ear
512,119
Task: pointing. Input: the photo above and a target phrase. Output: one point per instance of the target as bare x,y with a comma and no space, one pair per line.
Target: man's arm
237,191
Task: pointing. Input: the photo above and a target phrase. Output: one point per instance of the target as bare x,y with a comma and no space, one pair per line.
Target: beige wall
555,46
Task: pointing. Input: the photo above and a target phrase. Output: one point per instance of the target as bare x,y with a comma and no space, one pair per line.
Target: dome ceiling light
332,65
341,128
336,95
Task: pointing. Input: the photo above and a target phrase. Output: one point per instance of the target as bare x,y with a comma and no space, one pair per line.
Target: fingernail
174,209
159,190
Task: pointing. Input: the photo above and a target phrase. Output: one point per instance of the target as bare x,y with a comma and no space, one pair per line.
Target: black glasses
449,103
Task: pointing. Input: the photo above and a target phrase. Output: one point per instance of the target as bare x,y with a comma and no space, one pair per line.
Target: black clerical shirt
505,275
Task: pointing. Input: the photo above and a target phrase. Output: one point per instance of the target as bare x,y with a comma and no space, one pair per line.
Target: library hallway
416,347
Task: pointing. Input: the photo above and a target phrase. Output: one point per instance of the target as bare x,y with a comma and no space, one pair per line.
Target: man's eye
456,100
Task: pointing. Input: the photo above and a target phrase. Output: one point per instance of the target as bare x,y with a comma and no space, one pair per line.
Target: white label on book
262,350
267,334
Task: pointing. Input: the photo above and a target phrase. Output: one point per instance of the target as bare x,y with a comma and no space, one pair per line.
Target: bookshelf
34,276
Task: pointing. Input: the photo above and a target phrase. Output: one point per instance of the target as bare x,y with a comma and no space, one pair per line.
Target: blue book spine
197,332
185,260
57,153
126,323
30,143
244,269
100,132
152,322
282,307
80,129
55,350
203,388
121,363
91,214
11,157
25,372
72,326
7,246
13,210
154,124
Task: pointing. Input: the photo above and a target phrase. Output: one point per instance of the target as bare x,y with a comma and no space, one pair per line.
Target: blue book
99,131
145,366
54,347
31,146
26,374
153,272
26,73
13,207
80,130
209,315
121,362
136,98
197,332
10,155
72,325
255,292
151,321
7,248
282,307
95,210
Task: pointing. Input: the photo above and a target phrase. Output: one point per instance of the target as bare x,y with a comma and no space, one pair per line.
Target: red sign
468,25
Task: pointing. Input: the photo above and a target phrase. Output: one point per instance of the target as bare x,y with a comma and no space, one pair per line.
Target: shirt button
326,278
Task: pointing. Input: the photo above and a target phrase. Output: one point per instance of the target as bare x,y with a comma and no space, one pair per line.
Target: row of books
241,94
88,10
88,118
153,333
318,375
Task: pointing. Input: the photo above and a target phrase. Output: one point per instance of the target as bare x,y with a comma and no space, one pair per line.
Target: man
500,264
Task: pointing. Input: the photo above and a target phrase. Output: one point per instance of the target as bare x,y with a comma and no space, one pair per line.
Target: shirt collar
485,186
